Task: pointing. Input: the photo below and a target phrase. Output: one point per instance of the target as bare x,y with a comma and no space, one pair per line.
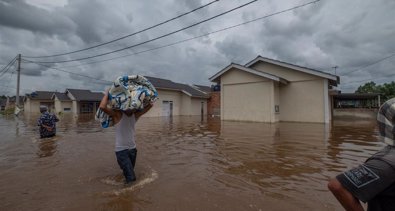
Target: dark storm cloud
20,15
235,51
348,34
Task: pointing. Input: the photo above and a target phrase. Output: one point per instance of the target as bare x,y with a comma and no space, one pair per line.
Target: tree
369,87
386,90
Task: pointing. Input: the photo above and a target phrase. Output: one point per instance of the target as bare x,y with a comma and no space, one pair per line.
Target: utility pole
18,80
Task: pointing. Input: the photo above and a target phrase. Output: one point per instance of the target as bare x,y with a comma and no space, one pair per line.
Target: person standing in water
373,181
47,123
125,143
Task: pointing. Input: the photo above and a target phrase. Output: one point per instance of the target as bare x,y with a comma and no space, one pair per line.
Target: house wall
276,102
27,105
246,97
214,103
165,95
75,109
302,101
60,105
307,94
33,106
183,104
186,105
196,106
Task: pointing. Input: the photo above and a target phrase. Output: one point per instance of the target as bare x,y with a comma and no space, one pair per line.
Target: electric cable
148,41
370,64
193,38
126,36
58,69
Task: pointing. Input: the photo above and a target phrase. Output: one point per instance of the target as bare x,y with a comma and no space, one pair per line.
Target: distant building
356,105
178,99
3,104
33,101
356,100
83,101
268,90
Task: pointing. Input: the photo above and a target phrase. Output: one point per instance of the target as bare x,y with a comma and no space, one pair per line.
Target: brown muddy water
183,163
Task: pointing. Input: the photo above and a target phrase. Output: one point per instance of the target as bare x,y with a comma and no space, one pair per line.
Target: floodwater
183,163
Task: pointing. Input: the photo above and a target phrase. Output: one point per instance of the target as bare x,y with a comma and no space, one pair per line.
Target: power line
371,79
175,43
375,62
8,82
6,68
129,35
8,65
165,35
58,69
196,37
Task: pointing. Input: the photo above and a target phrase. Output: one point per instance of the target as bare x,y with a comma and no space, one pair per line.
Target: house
34,100
177,99
3,104
268,90
82,101
356,105
356,100
62,102
11,101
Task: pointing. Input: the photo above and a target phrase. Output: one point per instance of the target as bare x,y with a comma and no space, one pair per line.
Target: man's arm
346,199
55,118
145,110
103,105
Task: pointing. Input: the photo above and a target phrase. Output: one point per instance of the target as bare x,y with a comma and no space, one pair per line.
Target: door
167,108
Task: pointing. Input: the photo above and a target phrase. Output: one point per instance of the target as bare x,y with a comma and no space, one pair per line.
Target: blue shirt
47,123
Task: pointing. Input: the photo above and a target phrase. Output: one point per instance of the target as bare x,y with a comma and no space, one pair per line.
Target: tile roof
205,89
167,84
40,95
85,95
61,96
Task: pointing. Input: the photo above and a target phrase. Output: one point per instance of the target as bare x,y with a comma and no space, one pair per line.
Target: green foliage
370,87
387,90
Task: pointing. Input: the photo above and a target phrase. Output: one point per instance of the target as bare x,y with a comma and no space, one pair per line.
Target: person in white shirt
125,144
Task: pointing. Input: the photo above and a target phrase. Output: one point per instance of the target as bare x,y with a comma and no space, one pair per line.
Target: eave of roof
318,73
249,70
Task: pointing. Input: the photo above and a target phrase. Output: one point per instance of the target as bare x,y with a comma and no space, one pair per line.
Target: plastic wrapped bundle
128,93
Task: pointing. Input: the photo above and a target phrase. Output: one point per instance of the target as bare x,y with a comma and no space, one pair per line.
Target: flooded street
183,163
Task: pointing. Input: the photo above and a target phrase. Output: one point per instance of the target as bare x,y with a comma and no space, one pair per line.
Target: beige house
177,99
267,90
82,100
33,101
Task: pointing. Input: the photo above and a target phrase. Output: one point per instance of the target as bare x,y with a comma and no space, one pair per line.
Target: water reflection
47,147
200,163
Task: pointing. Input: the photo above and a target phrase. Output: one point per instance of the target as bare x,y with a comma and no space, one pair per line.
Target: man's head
43,108
386,122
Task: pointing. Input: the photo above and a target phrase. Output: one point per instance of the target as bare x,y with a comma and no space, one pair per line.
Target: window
66,109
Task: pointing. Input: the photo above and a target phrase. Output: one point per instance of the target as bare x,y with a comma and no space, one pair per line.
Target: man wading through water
47,123
125,144
374,181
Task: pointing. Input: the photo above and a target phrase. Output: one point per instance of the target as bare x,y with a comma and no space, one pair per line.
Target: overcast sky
349,34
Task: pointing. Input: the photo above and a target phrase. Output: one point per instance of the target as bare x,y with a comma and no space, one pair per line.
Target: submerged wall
355,113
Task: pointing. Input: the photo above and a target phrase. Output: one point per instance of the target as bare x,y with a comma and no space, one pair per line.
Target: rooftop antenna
335,67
